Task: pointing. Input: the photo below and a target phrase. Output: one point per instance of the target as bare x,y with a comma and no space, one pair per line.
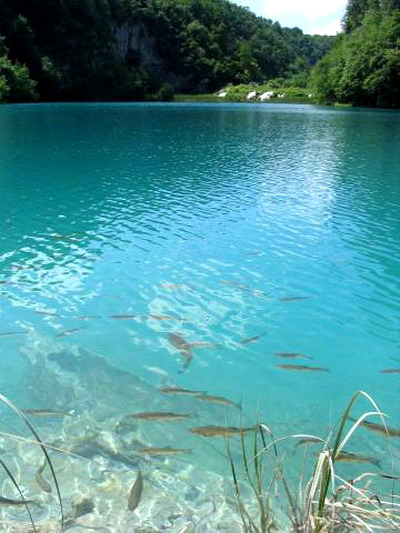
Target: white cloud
312,16
310,9
332,28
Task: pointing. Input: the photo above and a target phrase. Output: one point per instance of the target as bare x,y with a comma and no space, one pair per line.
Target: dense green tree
363,68
355,13
70,48
15,82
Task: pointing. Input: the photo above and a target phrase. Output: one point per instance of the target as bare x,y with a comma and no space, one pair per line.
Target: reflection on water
240,231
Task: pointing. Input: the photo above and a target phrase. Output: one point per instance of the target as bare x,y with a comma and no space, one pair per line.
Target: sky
312,16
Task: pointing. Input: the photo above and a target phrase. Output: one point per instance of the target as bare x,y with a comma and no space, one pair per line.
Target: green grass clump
323,502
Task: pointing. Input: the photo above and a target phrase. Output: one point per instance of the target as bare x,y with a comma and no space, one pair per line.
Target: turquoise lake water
219,223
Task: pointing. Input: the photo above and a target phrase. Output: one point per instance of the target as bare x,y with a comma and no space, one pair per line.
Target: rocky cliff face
135,44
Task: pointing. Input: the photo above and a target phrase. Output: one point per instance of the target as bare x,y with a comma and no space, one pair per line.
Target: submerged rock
101,450
78,379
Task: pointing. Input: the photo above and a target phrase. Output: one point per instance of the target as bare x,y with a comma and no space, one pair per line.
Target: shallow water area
243,231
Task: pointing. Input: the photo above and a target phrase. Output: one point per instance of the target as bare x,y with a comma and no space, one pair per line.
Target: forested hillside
363,67
138,49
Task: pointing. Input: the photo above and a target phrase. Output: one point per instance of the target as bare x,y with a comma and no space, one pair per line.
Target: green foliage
4,89
165,93
363,68
113,49
15,83
355,13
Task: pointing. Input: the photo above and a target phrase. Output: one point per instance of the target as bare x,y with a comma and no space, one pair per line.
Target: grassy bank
252,93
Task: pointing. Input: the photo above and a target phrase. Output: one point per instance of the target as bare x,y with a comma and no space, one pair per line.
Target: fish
379,428
156,370
254,292
203,344
303,368
47,412
252,339
136,492
7,501
163,317
88,317
10,333
235,284
294,298
292,355
47,313
68,332
163,451
219,400
174,286
389,476
41,481
391,371
124,317
256,253
159,416
219,431
184,347
347,457
72,237
309,440
178,391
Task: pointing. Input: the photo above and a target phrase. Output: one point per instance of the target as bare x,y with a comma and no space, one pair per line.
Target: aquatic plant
322,502
38,441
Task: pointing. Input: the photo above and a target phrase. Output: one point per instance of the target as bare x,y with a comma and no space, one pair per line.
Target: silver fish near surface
11,333
180,392
14,503
253,339
135,494
219,431
68,332
40,480
310,439
349,457
48,313
159,416
379,428
293,355
184,347
125,317
47,412
303,368
218,400
150,450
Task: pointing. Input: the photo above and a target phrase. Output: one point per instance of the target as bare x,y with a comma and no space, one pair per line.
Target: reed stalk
322,502
7,402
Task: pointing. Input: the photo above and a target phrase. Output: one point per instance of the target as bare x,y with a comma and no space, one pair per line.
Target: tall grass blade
15,483
22,416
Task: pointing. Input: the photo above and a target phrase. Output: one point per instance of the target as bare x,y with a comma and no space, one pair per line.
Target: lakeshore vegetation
56,50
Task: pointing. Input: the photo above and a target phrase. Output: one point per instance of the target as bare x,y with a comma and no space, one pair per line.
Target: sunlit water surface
228,221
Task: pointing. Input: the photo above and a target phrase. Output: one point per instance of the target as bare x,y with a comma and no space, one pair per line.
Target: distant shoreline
217,99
